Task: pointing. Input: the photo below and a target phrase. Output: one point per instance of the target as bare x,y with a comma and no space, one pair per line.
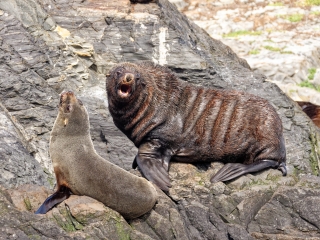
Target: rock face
279,39
48,46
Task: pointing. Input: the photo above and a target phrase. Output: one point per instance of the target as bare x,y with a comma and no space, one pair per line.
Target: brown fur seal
167,118
79,169
312,110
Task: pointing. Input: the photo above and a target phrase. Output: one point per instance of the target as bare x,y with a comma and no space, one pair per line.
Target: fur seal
80,170
312,110
167,118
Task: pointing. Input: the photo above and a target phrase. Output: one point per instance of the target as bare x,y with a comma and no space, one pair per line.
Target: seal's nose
128,77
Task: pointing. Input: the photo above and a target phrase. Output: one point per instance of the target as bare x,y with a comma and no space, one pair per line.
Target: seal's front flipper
233,170
153,161
153,170
60,195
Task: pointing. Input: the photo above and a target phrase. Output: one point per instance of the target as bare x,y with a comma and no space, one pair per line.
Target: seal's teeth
65,121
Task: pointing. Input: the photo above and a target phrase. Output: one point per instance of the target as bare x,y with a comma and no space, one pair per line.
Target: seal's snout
65,96
129,77
125,87
67,101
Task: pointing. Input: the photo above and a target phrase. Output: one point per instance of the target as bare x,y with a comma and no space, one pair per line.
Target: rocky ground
49,46
280,39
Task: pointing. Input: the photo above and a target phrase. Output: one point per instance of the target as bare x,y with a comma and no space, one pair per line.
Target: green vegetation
27,203
312,72
276,49
50,177
254,52
294,17
314,137
122,233
308,84
286,52
273,49
67,221
241,33
317,13
276,4
273,178
312,2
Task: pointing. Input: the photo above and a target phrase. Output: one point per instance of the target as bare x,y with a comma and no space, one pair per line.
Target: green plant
312,2
254,52
294,17
241,33
286,52
27,203
315,13
308,84
312,72
276,4
274,49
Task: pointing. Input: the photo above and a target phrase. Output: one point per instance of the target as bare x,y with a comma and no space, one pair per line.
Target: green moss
68,222
308,84
297,17
273,178
312,2
254,52
241,33
276,4
50,177
276,49
317,13
257,182
27,203
314,156
286,52
312,72
273,49
122,233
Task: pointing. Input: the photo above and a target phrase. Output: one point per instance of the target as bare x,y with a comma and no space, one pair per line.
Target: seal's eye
137,76
118,73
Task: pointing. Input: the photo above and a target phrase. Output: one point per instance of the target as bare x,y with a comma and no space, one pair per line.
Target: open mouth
125,90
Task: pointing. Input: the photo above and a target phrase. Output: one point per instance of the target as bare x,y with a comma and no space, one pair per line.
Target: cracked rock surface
279,39
49,46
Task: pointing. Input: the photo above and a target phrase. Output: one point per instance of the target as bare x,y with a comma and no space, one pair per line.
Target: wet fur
168,118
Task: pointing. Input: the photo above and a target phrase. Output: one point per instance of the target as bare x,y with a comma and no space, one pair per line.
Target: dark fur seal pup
82,171
168,118
312,110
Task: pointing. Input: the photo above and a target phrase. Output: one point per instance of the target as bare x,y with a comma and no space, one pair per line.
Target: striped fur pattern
168,118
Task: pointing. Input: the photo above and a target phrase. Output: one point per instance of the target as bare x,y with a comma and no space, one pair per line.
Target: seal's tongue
125,89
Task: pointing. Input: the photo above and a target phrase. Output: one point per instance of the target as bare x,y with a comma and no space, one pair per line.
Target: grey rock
50,46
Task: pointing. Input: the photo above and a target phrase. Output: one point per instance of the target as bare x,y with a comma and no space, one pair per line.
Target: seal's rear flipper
233,170
60,195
